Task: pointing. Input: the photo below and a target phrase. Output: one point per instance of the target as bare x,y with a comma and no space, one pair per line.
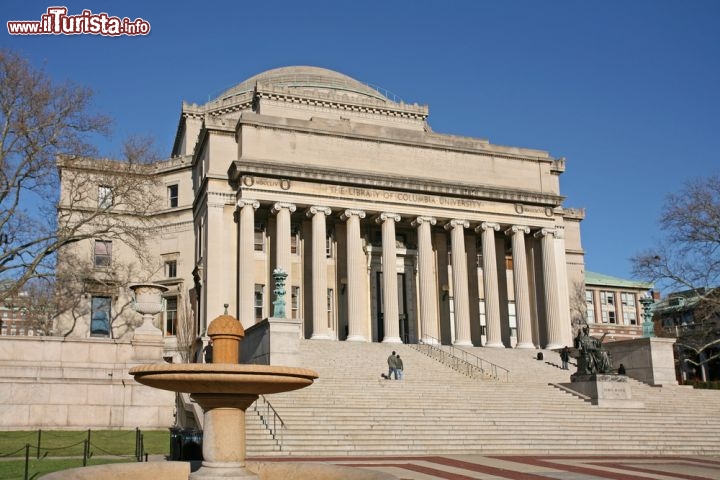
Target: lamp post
648,325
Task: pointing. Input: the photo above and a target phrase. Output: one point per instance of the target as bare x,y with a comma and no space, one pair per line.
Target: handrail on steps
458,359
275,425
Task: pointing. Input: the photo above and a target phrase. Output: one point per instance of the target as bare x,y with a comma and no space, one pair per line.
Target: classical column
553,326
490,279
520,281
356,271
282,236
319,273
461,300
246,264
391,319
428,288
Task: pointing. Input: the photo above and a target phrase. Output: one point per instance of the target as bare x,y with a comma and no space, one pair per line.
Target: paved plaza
515,467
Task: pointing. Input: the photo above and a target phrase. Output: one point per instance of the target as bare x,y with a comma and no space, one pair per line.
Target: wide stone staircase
350,410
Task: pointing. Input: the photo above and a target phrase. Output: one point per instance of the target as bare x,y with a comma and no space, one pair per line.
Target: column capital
544,232
510,231
456,222
244,202
316,209
423,219
351,212
487,226
280,205
387,216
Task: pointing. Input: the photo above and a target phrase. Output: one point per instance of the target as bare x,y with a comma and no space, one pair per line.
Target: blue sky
627,91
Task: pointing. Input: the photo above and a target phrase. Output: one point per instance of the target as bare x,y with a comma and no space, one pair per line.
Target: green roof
593,278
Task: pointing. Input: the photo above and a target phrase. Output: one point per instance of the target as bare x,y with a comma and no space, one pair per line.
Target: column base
494,345
525,345
321,336
392,340
430,341
554,346
463,343
223,471
356,338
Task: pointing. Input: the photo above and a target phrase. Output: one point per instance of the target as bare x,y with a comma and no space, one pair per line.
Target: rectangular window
259,301
171,316
295,302
627,299
611,316
483,324
328,246
508,263
590,315
172,192
604,314
630,316
105,196
607,298
259,238
103,253
330,307
512,319
294,243
100,316
171,269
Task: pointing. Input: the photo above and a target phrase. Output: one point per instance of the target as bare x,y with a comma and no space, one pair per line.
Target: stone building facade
389,231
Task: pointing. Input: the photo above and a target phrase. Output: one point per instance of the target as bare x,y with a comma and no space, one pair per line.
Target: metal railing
459,360
271,420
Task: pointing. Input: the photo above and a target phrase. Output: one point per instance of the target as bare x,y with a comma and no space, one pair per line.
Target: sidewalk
471,467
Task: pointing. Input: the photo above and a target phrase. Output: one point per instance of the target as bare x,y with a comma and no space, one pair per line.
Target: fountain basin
200,378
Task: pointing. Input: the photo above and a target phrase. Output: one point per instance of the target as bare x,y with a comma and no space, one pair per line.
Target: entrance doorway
403,321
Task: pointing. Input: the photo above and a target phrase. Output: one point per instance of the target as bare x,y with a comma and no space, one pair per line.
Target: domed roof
305,78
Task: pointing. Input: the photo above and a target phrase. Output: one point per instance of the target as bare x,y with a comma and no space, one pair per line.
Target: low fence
120,445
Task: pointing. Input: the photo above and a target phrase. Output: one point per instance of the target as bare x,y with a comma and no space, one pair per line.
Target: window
483,323
611,316
259,301
259,238
171,269
512,319
294,243
328,246
607,298
508,263
330,307
100,317
590,301
630,316
171,316
103,253
295,302
172,192
604,314
627,299
105,196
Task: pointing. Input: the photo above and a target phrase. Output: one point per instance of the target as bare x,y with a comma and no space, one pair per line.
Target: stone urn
148,301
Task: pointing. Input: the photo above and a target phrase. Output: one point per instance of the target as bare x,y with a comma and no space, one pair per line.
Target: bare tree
688,259
45,125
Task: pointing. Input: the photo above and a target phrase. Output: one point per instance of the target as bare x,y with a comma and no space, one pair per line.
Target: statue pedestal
604,390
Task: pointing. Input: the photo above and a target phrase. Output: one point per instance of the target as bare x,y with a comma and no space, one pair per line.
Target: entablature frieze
246,174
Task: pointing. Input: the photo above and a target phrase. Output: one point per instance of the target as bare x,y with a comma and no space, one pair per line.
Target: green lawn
106,446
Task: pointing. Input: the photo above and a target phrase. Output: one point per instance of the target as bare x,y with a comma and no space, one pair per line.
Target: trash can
185,444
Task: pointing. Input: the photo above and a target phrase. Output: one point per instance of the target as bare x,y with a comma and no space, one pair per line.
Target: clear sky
627,90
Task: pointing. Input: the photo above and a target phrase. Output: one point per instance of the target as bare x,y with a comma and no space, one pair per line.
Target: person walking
392,366
565,357
399,367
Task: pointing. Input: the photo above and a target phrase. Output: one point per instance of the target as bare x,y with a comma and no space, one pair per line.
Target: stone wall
650,360
73,383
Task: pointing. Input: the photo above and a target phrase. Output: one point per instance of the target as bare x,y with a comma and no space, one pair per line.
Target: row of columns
426,275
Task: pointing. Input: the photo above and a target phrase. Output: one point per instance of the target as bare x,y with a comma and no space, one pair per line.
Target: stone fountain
224,389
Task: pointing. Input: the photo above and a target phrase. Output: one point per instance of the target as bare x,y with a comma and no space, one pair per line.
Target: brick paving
527,467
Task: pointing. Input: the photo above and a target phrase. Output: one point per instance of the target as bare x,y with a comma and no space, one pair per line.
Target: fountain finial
226,332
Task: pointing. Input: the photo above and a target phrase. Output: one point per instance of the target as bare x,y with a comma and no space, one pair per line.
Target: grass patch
63,443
